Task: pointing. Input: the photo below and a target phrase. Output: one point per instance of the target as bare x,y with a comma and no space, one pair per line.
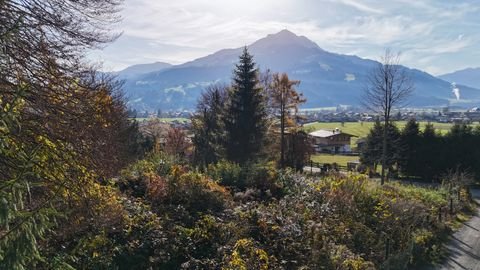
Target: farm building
331,141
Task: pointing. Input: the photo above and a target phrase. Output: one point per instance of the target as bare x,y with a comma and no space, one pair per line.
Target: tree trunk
384,151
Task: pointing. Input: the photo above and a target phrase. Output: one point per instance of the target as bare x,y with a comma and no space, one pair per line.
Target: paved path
309,169
464,245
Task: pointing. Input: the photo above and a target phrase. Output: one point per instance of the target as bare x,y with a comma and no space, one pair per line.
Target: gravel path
464,245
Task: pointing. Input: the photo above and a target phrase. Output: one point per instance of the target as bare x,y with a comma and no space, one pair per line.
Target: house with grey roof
331,141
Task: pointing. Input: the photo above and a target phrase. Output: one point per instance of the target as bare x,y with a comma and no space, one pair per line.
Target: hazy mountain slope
136,70
469,76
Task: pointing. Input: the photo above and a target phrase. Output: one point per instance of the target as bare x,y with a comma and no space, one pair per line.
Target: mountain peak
285,33
285,37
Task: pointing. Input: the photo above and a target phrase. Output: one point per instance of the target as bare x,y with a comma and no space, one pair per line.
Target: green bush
227,174
135,179
260,176
196,192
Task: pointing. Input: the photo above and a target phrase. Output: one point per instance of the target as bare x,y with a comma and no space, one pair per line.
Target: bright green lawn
339,159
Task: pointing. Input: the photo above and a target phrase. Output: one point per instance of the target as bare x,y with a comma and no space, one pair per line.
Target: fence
326,167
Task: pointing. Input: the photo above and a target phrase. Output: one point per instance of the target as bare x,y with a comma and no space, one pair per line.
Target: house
331,141
473,114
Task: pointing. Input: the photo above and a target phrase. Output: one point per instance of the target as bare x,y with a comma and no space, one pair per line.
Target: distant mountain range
327,79
469,76
134,71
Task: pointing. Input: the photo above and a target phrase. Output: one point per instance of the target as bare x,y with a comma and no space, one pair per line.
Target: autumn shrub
247,255
263,176
227,173
427,246
260,176
187,220
163,184
136,178
369,215
196,192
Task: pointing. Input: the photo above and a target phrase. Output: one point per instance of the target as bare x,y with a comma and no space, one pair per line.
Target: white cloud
360,6
178,31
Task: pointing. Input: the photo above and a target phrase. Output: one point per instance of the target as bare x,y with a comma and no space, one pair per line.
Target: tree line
425,154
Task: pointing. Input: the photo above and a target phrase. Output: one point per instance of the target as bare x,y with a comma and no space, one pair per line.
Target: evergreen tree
458,146
410,139
372,151
371,154
208,126
246,117
429,132
430,154
298,149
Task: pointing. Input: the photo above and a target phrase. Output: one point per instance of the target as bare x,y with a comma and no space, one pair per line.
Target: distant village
344,114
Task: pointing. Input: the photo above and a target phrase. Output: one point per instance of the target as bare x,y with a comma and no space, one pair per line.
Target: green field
361,129
328,158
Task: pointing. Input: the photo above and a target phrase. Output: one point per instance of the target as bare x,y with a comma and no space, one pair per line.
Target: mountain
137,70
469,76
327,79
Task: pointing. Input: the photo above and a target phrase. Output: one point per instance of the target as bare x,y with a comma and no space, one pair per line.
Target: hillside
138,70
327,79
469,76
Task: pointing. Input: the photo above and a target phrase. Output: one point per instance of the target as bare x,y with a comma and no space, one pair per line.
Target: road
464,245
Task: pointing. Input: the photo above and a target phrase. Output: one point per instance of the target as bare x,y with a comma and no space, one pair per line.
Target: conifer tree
246,118
428,157
373,151
409,156
208,126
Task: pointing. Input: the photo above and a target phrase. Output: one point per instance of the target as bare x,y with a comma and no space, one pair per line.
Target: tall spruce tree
246,117
430,153
409,157
372,152
207,125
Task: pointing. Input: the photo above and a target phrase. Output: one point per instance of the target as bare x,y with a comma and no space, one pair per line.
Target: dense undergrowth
228,218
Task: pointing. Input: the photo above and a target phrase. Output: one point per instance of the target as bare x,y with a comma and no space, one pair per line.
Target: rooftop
323,133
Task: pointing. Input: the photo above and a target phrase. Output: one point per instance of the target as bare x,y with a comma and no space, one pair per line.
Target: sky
437,36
